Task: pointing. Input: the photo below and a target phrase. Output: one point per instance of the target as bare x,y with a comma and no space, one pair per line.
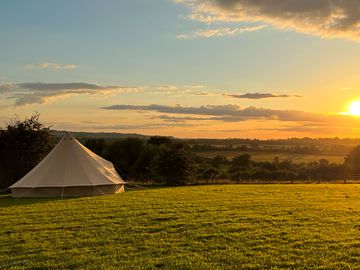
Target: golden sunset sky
184,68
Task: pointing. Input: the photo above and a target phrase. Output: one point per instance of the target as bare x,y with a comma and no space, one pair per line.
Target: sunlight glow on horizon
354,108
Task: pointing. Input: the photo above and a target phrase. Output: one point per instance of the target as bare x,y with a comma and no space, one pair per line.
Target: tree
240,167
242,161
141,169
352,161
23,144
96,145
174,163
124,155
323,163
210,173
218,160
158,140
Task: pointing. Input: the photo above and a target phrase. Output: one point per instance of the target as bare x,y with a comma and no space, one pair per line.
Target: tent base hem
69,191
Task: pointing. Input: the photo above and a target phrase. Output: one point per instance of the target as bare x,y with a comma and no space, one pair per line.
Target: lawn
198,227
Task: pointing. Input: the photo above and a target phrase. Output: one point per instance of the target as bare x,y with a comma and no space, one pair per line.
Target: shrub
23,145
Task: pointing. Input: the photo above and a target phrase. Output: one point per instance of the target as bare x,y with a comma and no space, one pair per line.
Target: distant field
201,227
269,156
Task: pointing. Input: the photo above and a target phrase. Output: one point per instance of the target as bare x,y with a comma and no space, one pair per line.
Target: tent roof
70,164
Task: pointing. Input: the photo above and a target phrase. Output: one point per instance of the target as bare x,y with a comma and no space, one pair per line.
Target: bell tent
69,170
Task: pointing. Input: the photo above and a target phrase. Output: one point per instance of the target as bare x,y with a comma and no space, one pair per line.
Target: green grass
269,156
199,227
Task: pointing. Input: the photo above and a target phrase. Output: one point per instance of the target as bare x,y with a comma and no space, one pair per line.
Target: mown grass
199,227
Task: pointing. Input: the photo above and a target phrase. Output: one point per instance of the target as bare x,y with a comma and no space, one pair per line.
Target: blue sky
143,52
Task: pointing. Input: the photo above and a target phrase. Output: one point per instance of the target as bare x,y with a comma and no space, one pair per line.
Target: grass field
269,156
199,227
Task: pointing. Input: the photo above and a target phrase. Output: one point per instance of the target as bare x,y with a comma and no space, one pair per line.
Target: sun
354,108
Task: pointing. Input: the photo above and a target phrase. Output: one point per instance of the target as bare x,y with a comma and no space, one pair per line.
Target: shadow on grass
7,200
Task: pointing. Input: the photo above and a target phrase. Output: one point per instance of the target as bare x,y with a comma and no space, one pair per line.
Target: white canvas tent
70,169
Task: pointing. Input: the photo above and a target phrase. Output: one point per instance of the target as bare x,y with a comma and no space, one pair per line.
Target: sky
184,68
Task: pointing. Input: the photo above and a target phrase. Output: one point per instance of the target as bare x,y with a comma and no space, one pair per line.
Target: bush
131,157
173,164
96,145
23,145
352,161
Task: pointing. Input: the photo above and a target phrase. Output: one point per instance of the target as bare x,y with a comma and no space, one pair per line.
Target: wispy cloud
220,32
227,113
181,119
325,18
260,95
218,118
30,93
39,93
143,126
51,66
178,91
201,90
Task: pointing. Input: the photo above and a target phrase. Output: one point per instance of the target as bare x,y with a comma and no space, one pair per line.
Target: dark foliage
218,160
171,162
174,164
96,145
158,140
210,173
164,160
23,144
131,157
352,161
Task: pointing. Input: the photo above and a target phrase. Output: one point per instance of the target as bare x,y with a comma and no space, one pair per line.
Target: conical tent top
68,136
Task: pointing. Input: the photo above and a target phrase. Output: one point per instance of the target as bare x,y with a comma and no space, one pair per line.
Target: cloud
6,87
260,95
39,93
324,18
102,126
200,90
52,66
30,93
176,119
139,127
178,91
204,93
227,113
220,32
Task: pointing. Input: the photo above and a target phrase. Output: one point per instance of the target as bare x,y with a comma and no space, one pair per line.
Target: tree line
291,150
163,160
168,161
